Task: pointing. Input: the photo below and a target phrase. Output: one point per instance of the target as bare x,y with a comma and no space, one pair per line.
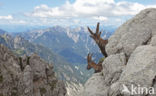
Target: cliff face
27,76
131,60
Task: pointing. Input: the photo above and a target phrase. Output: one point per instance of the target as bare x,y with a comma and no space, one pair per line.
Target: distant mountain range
20,28
72,43
66,47
20,46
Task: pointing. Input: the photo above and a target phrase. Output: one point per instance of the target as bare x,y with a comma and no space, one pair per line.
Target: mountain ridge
59,38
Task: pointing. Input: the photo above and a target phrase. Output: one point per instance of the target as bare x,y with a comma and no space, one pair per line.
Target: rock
27,76
142,60
113,67
131,61
95,86
140,70
74,89
28,80
38,66
153,41
135,32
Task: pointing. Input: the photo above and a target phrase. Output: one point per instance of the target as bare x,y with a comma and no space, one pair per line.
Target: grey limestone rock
135,32
27,76
131,60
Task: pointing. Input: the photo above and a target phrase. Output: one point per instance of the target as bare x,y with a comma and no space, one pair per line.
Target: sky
70,12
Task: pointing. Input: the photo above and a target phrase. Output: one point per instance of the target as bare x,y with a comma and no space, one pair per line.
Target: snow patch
76,67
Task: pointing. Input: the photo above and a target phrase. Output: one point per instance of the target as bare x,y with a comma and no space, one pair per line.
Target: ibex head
92,64
96,35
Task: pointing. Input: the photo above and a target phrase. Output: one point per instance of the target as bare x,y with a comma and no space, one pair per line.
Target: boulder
135,32
95,86
113,67
139,72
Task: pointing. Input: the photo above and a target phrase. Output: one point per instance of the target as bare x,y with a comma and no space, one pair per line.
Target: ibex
92,64
99,41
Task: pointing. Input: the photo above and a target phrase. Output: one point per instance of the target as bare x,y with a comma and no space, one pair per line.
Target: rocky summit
130,68
27,76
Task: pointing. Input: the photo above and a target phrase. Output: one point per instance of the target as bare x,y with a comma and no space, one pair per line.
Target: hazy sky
70,12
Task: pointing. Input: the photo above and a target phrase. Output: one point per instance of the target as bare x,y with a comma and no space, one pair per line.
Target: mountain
27,76
72,43
64,70
2,32
20,27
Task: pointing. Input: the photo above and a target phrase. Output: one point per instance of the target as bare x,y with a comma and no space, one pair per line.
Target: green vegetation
102,59
1,77
1,94
19,52
28,58
35,79
14,91
43,91
15,88
20,63
102,74
5,37
53,84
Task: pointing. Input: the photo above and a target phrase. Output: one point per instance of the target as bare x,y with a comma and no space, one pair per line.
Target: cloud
127,8
89,8
18,22
100,18
80,12
9,17
45,11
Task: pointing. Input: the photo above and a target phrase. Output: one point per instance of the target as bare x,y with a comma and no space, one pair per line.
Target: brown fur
99,41
92,64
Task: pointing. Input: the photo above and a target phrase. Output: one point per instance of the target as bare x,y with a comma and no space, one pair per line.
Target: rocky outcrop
73,88
130,68
27,76
135,32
